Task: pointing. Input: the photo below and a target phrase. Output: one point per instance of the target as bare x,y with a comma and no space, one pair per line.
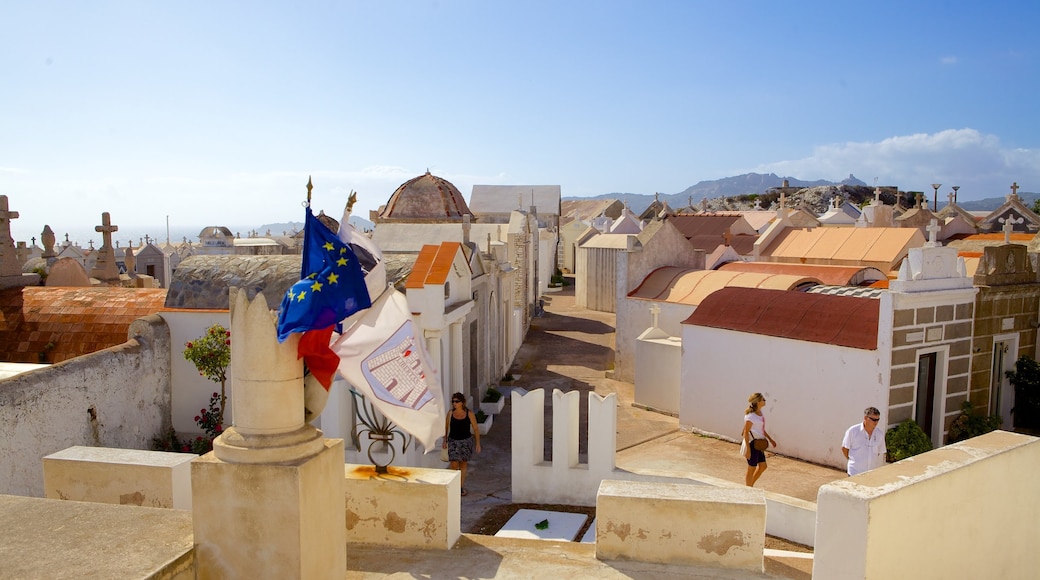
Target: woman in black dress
461,436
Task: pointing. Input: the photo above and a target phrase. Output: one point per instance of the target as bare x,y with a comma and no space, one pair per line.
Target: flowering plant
211,355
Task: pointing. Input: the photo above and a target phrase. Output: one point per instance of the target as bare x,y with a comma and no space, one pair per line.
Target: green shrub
481,416
971,424
906,440
492,395
1026,379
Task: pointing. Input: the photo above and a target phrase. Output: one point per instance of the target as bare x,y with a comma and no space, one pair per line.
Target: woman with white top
755,428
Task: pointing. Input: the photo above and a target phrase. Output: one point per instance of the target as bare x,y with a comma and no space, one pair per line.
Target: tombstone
21,253
105,268
130,261
9,264
68,272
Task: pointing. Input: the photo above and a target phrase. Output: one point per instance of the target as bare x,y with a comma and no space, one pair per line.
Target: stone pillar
455,356
268,502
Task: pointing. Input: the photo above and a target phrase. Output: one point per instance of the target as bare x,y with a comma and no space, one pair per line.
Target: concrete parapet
43,538
119,476
966,510
257,520
681,524
407,507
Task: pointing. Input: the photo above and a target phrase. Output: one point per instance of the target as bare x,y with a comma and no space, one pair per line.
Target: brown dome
426,197
328,222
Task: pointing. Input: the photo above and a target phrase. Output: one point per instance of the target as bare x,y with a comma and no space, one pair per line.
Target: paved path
571,348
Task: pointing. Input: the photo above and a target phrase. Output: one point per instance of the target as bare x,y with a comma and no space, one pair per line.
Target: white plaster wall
813,391
658,367
662,245
191,392
967,510
547,241
633,318
47,410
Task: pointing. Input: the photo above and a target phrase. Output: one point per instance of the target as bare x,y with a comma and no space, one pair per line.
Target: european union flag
331,287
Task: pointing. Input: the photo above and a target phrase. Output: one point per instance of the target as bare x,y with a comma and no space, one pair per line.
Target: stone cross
1009,226
655,310
9,265
147,239
933,230
949,197
105,268
1014,189
783,199
33,240
877,196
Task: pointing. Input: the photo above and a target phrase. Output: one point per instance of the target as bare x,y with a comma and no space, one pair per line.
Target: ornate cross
933,231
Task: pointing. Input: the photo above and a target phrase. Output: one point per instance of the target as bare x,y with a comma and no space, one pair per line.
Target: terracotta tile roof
75,321
687,286
882,248
433,264
831,275
837,320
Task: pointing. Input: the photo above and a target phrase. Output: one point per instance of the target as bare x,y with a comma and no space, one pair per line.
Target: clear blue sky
216,112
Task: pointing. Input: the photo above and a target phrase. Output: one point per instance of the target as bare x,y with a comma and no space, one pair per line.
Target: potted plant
484,422
493,401
906,440
971,424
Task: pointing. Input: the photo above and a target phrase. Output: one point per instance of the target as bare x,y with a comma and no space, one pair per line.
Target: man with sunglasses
864,443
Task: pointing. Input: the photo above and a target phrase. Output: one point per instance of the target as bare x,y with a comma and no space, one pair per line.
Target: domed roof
426,197
328,221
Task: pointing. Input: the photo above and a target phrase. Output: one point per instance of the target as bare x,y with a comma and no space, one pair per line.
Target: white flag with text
384,358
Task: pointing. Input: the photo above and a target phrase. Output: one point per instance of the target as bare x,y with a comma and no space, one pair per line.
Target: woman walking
755,430
461,436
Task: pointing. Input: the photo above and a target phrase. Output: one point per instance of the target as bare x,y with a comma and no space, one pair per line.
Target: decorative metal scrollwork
379,430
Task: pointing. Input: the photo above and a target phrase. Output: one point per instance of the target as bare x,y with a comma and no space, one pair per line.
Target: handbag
760,444
444,454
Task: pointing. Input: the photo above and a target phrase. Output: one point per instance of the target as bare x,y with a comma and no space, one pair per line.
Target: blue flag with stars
331,287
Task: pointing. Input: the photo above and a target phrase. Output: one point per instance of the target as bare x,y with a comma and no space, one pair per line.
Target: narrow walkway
647,440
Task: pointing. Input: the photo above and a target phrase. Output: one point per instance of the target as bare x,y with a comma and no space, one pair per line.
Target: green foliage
492,395
481,416
1026,379
1036,205
906,440
508,378
211,355
971,424
42,273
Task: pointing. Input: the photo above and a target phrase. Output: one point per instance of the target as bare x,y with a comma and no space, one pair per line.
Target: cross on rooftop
783,199
655,310
1014,189
877,196
949,197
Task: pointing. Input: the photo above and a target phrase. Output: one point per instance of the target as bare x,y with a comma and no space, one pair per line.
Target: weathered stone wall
117,397
203,281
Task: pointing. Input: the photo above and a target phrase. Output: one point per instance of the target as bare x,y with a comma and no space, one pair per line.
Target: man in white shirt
864,443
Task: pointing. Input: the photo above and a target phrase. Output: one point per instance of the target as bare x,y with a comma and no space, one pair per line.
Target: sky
217,112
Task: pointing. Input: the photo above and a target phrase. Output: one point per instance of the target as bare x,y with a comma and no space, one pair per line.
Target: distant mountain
748,183
992,203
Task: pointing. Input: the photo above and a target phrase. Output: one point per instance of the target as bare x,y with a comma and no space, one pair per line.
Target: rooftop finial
310,186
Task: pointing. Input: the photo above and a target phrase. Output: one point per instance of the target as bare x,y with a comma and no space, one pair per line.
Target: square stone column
270,520
268,501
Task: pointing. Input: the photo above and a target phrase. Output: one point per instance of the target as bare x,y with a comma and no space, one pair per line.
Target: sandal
464,492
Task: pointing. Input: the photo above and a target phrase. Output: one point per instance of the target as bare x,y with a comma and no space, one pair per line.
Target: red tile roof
836,320
433,264
74,321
